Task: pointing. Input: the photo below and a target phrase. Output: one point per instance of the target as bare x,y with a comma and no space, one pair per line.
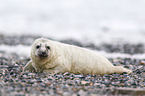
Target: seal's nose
43,54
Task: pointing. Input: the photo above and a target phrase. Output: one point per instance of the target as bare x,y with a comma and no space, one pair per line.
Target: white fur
70,58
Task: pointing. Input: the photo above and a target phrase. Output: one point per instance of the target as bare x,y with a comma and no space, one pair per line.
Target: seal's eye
37,47
48,47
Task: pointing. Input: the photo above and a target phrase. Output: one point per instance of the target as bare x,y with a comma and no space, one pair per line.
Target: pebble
82,93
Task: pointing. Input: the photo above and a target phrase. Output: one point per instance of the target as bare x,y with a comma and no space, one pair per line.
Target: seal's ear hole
48,47
38,46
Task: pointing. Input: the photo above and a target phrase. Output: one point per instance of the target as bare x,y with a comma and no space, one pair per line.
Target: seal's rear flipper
120,69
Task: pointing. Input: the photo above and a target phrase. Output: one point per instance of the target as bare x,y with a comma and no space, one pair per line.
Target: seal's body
53,57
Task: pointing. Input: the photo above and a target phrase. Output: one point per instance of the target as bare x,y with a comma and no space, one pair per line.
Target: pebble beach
14,82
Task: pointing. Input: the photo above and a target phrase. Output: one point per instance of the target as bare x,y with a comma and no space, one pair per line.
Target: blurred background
94,20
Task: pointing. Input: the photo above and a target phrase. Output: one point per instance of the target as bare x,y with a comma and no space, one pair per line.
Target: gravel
13,82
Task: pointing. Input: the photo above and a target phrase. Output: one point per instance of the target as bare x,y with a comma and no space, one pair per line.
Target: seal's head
41,48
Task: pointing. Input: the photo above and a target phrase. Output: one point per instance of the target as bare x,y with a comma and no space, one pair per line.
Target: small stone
138,71
31,74
107,83
50,79
142,63
82,93
66,94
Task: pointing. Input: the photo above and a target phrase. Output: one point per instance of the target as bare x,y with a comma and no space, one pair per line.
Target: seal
53,57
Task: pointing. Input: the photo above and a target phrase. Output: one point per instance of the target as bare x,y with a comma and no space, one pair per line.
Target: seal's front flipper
29,67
